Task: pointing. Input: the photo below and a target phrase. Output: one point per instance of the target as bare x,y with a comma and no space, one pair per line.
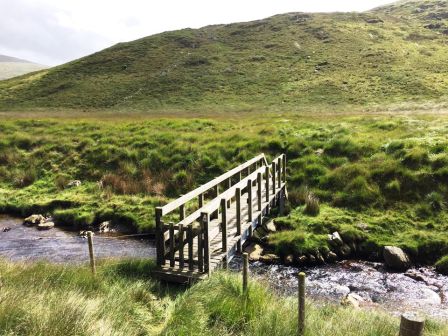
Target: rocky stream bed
359,283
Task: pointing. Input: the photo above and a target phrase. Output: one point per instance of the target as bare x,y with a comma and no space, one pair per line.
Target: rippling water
57,245
394,292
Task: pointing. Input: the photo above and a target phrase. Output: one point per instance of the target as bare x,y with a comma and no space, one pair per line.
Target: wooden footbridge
191,246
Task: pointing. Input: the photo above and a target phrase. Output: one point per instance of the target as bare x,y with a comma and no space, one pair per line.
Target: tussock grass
55,300
390,173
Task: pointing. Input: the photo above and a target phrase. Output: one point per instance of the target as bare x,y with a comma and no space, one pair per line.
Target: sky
53,32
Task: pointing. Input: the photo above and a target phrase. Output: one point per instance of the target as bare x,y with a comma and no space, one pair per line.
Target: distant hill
388,55
12,67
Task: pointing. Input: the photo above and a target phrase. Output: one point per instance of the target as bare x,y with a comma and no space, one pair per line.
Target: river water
22,243
421,289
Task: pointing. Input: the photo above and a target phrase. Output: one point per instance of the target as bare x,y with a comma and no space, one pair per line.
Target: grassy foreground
53,300
381,179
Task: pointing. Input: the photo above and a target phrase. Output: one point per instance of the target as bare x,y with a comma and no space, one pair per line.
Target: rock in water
352,300
255,251
104,227
33,220
270,226
269,258
396,258
335,239
45,226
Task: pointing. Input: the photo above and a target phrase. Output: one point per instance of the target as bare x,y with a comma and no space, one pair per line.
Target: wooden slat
190,247
181,247
172,251
224,224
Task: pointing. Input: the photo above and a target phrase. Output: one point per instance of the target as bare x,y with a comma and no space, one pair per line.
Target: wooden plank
284,167
238,210
274,171
259,187
200,252
267,177
209,185
205,222
279,169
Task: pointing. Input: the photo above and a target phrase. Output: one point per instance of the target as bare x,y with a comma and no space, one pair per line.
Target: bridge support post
172,245
200,250
284,168
274,172
279,170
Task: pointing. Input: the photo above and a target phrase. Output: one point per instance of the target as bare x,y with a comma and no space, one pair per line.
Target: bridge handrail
166,209
214,204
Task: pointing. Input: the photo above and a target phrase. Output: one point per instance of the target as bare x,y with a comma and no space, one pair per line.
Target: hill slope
388,55
12,67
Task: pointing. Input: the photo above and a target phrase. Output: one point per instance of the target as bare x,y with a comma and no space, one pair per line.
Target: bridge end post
160,240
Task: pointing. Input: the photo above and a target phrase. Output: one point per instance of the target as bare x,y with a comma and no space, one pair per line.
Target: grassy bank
388,173
43,299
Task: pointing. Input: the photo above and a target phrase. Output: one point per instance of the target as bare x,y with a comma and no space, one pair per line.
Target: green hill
385,56
12,67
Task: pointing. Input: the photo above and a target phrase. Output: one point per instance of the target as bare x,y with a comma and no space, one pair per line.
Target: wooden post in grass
245,271
411,325
91,254
301,326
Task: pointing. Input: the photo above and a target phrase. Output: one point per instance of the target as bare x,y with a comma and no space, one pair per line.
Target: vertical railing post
205,220
245,271
238,210
190,247
224,224
182,212
279,169
274,173
160,238
238,216
200,250
284,168
249,200
267,177
172,245
259,196
201,200
181,247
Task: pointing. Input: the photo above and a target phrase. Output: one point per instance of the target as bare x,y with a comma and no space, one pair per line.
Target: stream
419,289
22,243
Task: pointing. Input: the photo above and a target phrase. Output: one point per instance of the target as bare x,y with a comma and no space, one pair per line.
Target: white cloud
55,31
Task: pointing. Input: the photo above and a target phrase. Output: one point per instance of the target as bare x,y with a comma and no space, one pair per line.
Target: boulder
255,251
302,260
332,257
270,258
289,260
74,183
396,258
352,300
335,239
33,220
45,226
6,229
344,251
104,227
270,226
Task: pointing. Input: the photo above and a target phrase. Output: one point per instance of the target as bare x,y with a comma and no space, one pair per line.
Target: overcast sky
52,32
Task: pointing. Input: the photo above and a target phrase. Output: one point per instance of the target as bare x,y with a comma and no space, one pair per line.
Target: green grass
43,299
389,173
340,61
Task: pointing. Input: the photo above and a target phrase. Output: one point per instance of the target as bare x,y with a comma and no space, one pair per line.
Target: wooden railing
195,230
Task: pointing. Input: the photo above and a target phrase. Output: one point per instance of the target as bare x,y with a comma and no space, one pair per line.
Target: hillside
388,55
12,67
